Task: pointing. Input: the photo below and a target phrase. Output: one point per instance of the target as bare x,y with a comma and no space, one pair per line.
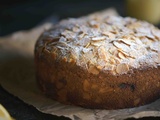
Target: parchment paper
17,76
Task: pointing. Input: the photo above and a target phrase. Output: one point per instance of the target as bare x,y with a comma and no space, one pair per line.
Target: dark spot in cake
123,85
63,81
132,87
127,86
50,89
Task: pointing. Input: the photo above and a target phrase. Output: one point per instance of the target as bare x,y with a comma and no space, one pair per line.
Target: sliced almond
126,54
121,55
122,68
150,36
156,33
102,53
155,46
122,46
138,41
117,60
98,38
118,45
112,61
80,36
96,43
109,34
99,67
84,41
92,69
88,44
75,29
68,34
112,49
127,42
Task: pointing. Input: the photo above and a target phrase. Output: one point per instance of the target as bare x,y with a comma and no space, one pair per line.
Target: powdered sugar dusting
112,43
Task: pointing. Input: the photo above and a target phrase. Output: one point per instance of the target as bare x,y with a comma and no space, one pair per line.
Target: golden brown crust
111,69
69,84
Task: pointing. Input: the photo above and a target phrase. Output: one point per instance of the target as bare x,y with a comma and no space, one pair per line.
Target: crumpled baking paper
17,76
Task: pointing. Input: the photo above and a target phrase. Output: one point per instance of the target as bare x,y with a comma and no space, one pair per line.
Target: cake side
70,84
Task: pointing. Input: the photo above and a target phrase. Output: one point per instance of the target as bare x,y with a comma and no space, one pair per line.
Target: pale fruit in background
4,115
148,10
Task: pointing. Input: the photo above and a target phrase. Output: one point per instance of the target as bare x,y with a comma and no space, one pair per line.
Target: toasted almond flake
125,37
104,27
83,42
150,36
156,33
117,60
115,53
80,36
68,34
122,46
127,42
98,38
112,49
99,67
75,29
122,68
109,35
118,45
88,44
126,54
92,69
112,61
138,41
121,55
114,31
102,53
134,25
143,30
155,46
96,44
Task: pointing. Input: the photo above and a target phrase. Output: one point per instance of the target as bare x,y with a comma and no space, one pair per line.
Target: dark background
25,14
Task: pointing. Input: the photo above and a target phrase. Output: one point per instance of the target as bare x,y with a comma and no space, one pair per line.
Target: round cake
106,62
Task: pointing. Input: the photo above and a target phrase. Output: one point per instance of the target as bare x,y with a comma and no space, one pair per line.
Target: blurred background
24,14
18,15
